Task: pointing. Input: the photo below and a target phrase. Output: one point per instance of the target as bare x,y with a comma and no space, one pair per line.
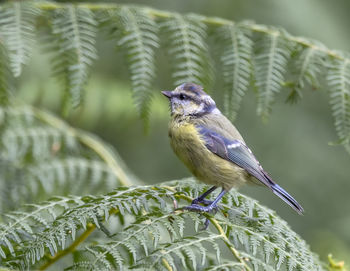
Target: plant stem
219,229
228,243
167,265
90,141
89,229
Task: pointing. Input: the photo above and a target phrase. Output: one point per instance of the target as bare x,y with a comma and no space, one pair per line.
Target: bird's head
189,99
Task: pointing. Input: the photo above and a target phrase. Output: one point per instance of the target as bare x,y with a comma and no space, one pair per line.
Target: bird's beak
167,93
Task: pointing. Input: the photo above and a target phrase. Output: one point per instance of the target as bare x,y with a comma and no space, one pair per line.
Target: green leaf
186,41
17,27
74,32
271,62
339,82
236,56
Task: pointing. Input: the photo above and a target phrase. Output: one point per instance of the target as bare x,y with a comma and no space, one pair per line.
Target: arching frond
124,200
17,29
73,175
243,233
39,141
236,58
21,225
186,42
41,156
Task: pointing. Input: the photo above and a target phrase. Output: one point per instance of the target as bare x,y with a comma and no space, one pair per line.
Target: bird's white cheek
176,108
200,108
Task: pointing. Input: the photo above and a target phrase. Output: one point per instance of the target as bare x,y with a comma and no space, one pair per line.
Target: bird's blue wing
234,151
238,153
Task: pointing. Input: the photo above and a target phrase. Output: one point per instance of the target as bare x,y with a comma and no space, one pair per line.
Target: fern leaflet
307,67
74,29
235,58
339,82
186,37
137,35
17,27
5,77
155,236
270,65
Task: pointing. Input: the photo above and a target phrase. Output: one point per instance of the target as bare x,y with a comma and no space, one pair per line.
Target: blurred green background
292,146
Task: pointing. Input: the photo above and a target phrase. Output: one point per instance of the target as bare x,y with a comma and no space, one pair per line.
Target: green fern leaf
126,200
339,81
309,63
42,156
270,65
248,230
76,175
186,42
5,75
17,27
21,225
74,32
188,249
236,56
138,36
307,67
36,141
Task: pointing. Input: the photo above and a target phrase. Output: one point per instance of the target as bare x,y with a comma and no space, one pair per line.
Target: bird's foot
204,201
211,208
200,208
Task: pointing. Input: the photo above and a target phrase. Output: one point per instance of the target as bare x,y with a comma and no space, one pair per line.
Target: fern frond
144,234
72,175
17,28
339,81
235,59
270,66
307,67
5,75
186,42
40,142
255,230
137,34
124,200
43,156
21,225
192,252
74,29
155,236
309,64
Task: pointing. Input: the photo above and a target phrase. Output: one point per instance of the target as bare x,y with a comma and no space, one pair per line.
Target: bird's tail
282,194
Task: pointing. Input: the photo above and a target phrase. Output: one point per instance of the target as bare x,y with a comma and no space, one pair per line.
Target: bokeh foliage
248,56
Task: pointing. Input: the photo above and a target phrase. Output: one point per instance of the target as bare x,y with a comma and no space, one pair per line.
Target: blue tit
212,148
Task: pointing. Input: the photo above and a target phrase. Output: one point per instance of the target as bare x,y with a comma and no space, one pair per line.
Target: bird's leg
201,198
211,207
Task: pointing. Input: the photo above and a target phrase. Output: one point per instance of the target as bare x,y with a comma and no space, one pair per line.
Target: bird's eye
182,97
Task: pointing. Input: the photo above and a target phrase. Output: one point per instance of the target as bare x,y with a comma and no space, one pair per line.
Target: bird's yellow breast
205,165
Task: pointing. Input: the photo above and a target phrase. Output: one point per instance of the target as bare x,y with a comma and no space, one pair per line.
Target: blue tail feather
282,194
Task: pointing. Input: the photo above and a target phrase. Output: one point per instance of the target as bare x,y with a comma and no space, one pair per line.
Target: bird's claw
204,201
206,224
200,208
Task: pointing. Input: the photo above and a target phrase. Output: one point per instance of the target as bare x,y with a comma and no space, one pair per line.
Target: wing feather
238,153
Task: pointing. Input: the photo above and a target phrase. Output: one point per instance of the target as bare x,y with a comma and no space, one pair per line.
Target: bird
212,148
